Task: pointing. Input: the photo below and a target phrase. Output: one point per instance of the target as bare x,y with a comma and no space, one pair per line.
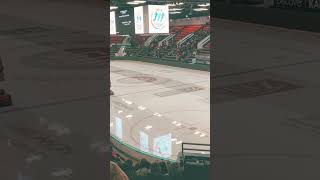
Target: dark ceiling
187,7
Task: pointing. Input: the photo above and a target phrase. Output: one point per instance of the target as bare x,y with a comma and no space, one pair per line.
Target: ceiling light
136,2
148,127
120,111
133,3
113,7
204,5
179,142
141,108
129,116
139,1
200,9
111,124
128,102
175,12
197,132
202,135
157,114
173,139
174,122
175,9
179,124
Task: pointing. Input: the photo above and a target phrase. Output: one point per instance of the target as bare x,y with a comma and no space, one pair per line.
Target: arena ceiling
178,8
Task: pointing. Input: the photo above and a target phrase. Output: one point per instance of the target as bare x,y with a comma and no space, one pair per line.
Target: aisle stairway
185,30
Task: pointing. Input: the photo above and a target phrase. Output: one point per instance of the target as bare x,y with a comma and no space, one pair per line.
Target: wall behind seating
191,21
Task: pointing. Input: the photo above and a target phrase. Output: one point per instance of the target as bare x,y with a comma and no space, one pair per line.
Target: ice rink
156,107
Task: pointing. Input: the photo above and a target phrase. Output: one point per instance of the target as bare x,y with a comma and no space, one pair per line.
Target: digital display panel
163,146
144,141
119,130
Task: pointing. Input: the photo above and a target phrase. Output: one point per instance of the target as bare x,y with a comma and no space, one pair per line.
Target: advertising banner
113,29
125,21
158,18
314,4
290,3
139,20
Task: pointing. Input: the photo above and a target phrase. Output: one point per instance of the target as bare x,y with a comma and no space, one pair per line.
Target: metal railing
194,149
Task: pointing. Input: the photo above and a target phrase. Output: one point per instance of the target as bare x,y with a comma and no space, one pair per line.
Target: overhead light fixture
148,127
136,2
204,5
139,1
175,9
157,114
202,135
179,124
111,124
113,7
128,102
141,108
197,132
200,9
132,3
174,139
120,111
175,12
174,122
129,116
179,142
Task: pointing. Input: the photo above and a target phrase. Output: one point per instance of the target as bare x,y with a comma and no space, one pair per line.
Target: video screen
119,130
163,146
125,21
144,141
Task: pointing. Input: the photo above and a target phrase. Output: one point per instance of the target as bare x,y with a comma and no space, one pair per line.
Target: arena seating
191,167
116,39
114,49
169,52
185,30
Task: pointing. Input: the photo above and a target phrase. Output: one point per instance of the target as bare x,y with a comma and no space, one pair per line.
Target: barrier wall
300,19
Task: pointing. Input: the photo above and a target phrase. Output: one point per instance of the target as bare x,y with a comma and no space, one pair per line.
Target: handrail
185,39
195,144
203,42
165,39
150,39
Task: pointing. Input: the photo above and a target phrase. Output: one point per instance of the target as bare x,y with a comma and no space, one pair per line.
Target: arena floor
173,102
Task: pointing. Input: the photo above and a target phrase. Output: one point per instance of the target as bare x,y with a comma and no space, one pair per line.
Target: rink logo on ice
179,91
144,78
138,79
